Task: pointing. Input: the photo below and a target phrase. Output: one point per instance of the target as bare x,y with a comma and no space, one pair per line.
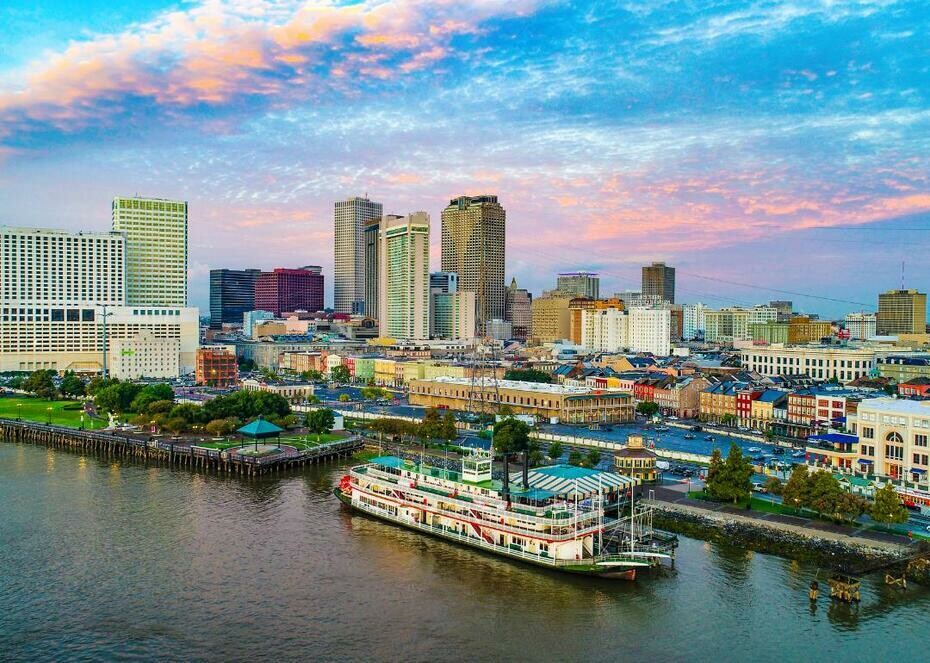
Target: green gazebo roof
259,428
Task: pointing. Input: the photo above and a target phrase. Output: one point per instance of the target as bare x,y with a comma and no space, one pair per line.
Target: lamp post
48,415
104,315
82,421
19,412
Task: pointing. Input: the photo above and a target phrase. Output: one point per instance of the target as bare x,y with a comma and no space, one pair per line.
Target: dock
177,453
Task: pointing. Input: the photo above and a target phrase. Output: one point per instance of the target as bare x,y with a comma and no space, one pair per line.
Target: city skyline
776,145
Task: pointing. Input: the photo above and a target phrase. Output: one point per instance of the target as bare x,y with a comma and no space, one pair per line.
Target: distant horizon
766,151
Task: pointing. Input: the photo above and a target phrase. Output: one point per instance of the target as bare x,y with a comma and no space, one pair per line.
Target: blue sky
763,148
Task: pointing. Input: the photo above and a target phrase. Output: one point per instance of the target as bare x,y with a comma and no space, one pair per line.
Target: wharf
178,453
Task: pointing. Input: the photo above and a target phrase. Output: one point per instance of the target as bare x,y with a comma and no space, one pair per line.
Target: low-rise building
548,402
819,362
635,460
304,361
294,392
915,387
216,366
903,368
894,439
144,355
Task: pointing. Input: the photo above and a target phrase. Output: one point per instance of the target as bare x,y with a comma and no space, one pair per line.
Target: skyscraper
473,237
350,218
232,293
583,284
372,228
443,282
403,281
288,290
156,249
659,282
518,310
902,312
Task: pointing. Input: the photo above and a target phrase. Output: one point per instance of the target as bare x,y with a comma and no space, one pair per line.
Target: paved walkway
675,499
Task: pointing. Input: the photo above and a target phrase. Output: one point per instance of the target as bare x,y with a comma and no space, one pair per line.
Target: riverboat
561,517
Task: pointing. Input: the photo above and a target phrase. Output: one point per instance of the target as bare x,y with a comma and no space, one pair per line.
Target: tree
117,397
732,481
728,419
513,436
528,375
220,427
429,427
796,492
312,376
71,385
344,398
320,421
159,407
188,412
151,394
373,393
647,408
574,457
176,425
823,492
555,450
593,458
850,506
448,430
886,506
41,384
712,481
98,383
340,374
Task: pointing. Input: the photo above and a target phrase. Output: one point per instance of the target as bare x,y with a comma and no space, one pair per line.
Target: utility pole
104,315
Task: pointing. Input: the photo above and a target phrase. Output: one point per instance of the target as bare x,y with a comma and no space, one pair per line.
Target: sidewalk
667,497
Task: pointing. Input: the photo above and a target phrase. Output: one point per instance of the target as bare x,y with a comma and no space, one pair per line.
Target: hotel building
156,249
403,281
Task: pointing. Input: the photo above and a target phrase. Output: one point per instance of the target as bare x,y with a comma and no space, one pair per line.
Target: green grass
35,409
309,440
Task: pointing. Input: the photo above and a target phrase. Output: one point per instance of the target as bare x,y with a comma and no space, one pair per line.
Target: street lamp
82,422
19,412
48,415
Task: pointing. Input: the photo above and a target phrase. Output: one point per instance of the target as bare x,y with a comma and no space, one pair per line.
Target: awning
863,461
917,470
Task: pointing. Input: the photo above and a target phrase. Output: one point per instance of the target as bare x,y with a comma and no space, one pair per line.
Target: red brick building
216,366
284,290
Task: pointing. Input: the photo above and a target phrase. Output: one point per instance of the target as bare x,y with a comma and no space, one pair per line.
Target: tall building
54,286
605,329
443,282
452,315
372,267
659,281
285,290
650,330
403,281
232,293
473,236
902,312
583,284
733,323
156,249
692,325
861,325
518,311
350,219
551,317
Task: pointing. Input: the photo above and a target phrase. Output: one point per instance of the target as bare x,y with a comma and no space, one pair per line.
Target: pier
177,453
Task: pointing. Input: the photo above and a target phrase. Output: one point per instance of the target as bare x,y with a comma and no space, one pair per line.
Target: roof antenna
902,275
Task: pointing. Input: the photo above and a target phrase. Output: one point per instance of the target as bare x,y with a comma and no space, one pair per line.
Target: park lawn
36,409
309,440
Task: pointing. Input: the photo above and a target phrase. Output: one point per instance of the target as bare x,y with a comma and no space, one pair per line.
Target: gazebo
259,429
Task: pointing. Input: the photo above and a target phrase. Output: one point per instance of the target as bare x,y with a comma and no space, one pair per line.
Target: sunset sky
763,148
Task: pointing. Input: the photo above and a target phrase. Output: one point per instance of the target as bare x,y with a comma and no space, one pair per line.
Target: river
104,559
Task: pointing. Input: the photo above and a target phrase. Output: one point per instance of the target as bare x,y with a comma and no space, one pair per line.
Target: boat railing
495,512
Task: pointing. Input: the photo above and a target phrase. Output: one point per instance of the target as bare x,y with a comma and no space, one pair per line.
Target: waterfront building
452,315
659,282
894,439
283,290
216,366
551,317
692,325
350,219
293,392
763,408
582,284
144,355
54,286
904,368
250,319
518,311
636,461
819,362
861,325
156,249
473,246
403,257
650,330
547,402
232,293
902,312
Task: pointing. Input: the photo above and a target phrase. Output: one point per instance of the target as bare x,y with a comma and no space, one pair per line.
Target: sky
767,150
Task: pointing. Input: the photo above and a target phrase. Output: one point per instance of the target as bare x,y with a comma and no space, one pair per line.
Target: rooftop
896,406
517,385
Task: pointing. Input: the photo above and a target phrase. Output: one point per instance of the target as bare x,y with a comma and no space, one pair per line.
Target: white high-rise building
452,315
403,279
350,218
650,330
156,249
861,325
605,330
54,286
692,321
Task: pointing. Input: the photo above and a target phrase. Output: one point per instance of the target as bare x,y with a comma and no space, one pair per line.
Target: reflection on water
104,559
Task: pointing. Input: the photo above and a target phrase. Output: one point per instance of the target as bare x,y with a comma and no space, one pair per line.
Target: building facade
473,246
156,249
232,293
287,290
605,329
692,324
902,312
650,330
894,439
403,258
659,282
582,284
350,219
144,355
551,319
372,229
861,325
518,311
819,362
216,366
452,315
